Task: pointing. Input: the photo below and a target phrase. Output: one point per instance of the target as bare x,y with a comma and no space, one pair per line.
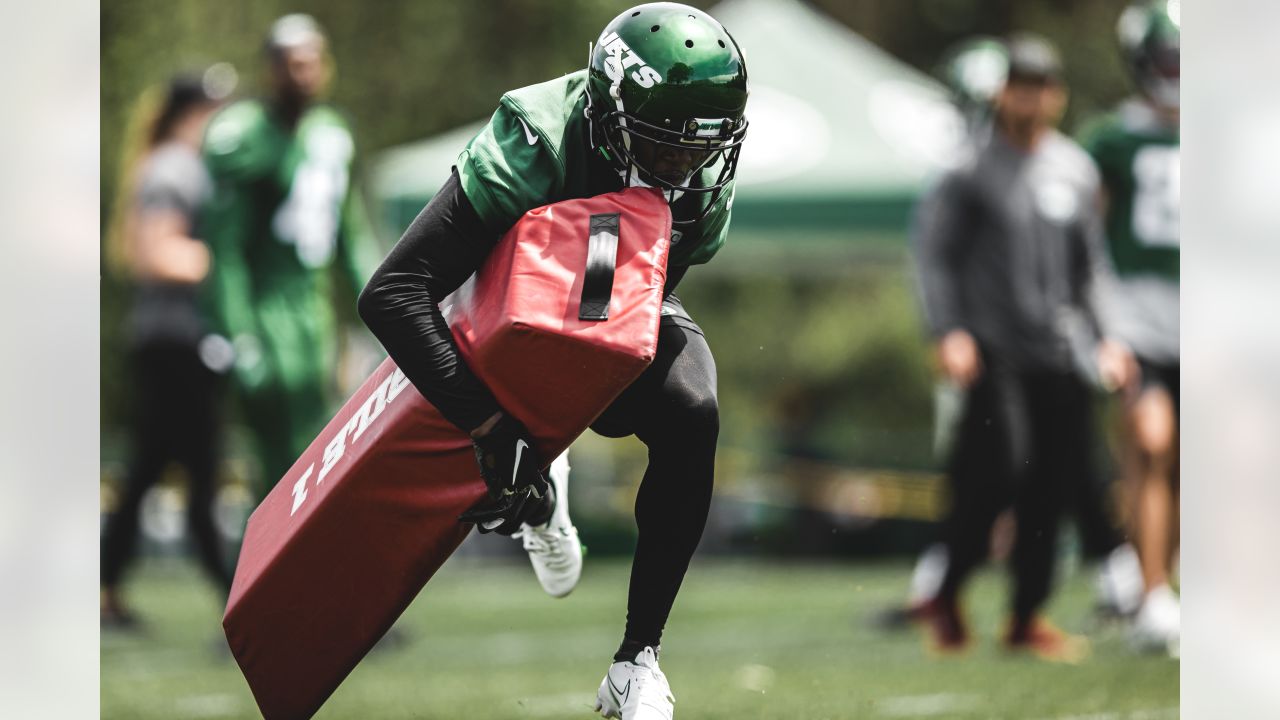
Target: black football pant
177,421
672,409
1025,440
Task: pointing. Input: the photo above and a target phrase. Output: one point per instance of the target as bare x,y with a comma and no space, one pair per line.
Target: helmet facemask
670,160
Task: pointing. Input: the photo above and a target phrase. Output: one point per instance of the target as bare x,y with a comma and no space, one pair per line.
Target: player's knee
698,416
1154,427
1155,451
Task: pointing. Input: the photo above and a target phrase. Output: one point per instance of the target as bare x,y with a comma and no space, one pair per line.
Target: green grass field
746,640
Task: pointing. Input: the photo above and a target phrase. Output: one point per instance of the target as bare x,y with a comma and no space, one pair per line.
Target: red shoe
945,627
918,612
1046,641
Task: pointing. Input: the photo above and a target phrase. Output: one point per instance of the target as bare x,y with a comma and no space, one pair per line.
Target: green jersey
536,150
283,212
1138,158
1137,155
282,215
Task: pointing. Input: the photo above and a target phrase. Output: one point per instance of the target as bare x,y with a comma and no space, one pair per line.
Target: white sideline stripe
1169,713
926,705
154,663
208,706
557,705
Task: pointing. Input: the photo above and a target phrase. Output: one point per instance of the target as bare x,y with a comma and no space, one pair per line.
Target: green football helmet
1150,39
975,70
666,95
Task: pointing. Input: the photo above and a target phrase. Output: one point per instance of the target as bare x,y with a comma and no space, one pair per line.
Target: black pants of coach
672,409
177,421
1025,441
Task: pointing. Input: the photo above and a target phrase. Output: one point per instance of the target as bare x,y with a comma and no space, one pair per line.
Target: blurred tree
405,69
920,31
833,367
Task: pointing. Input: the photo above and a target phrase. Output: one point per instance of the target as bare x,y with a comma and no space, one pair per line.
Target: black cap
1034,58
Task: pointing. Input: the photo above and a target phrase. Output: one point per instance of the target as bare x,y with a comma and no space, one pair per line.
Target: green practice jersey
283,212
1138,158
536,151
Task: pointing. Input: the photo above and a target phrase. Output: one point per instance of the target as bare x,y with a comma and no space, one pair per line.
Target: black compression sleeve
446,243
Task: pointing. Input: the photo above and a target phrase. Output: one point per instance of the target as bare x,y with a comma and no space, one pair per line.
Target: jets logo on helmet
666,97
616,65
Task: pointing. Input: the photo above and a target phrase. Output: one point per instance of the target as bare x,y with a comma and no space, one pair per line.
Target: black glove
518,492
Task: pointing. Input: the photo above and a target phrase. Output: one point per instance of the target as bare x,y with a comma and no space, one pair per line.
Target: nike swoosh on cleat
521,446
619,696
533,139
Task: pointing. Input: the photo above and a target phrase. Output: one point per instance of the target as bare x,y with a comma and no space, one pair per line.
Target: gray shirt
1008,246
173,179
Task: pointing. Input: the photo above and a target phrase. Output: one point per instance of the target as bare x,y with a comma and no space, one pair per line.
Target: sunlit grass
746,640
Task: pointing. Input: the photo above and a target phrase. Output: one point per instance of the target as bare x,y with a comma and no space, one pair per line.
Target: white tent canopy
842,138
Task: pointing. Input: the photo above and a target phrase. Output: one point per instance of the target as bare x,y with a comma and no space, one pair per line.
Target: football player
1136,149
283,211
661,104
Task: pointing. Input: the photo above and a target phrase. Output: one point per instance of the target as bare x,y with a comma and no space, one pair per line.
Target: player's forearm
442,248
406,319
223,226
232,299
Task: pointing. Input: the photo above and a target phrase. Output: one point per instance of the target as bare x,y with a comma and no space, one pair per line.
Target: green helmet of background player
667,91
1150,39
974,70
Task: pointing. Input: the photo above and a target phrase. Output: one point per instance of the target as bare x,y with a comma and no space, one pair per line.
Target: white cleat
1119,584
1158,625
554,548
636,690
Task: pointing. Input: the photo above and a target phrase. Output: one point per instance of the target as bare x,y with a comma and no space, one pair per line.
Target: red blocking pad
347,539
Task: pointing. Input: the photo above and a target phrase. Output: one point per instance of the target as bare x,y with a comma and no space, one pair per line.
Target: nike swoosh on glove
517,490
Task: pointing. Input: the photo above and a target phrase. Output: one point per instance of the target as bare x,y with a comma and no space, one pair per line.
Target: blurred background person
1136,149
974,71
284,210
175,362
1007,246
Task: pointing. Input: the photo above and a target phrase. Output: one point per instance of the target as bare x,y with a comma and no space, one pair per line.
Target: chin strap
631,178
